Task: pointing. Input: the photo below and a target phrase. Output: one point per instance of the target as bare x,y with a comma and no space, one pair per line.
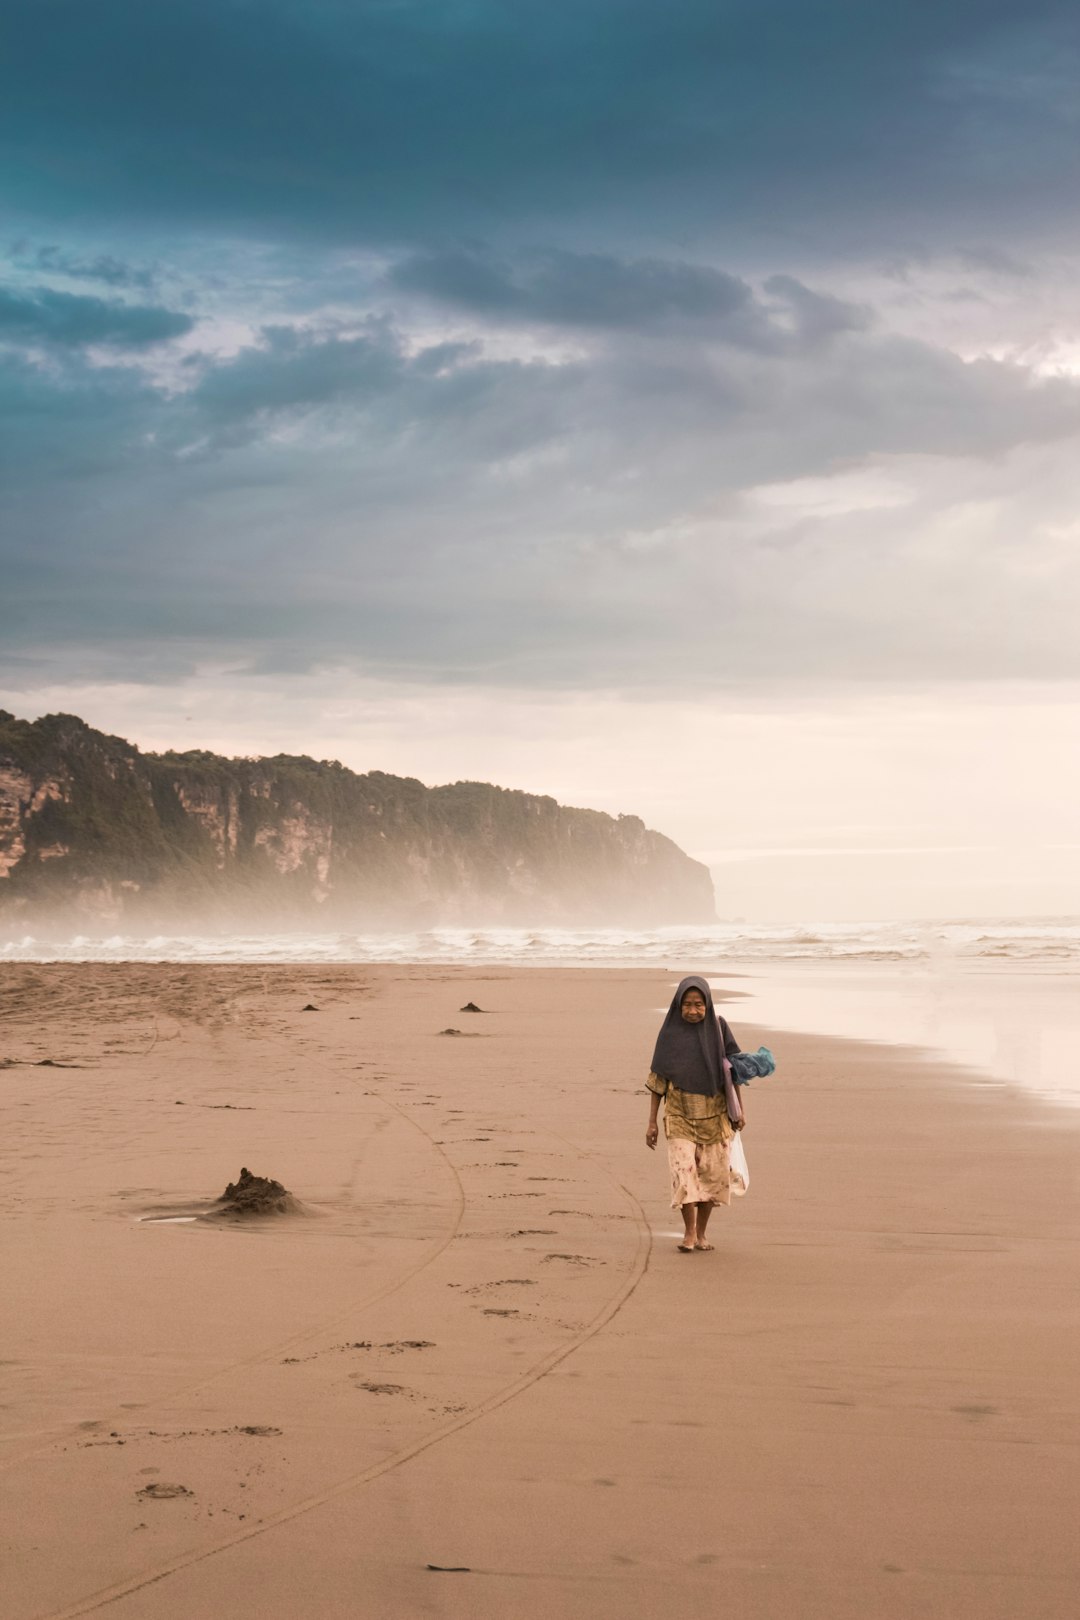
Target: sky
674,409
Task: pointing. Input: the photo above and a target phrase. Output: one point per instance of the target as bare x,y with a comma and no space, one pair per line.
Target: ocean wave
1054,941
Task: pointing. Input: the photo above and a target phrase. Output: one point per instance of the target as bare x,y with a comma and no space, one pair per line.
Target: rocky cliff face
93,830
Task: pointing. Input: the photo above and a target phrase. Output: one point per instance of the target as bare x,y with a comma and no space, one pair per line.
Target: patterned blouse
690,1116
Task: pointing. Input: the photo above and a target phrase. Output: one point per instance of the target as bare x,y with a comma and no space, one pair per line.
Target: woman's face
692,1007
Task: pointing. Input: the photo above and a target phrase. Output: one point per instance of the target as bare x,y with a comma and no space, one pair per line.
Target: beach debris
311,1007
383,1389
466,1034
38,1063
157,1491
255,1195
470,1006
394,1346
265,1430
451,1569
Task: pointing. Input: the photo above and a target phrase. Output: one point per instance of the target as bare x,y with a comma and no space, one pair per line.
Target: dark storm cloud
507,314
598,291
388,122
587,289
42,315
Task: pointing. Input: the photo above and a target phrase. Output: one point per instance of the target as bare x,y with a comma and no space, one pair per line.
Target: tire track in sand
510,1392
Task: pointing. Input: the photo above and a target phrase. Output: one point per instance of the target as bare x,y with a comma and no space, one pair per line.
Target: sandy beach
470,1375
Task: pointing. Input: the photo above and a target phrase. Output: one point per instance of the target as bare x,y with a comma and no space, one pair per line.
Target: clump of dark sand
470,1006
256,1195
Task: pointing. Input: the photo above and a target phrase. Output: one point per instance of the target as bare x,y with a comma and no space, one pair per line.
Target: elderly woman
691,1071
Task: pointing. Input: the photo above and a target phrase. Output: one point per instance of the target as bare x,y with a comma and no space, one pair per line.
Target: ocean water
1050,942
1012,1022
998,997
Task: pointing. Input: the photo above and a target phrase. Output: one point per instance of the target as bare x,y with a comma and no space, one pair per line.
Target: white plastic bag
740,1170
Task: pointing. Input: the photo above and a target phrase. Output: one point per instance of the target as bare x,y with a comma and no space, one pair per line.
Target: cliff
93,830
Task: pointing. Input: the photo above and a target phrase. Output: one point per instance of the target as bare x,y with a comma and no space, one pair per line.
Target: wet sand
468,1374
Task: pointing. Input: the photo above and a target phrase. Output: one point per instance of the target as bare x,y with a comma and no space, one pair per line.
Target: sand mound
256,1195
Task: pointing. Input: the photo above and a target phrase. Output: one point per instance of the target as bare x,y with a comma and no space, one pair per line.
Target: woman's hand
650,1136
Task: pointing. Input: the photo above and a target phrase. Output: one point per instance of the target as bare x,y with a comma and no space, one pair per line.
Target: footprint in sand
503,1282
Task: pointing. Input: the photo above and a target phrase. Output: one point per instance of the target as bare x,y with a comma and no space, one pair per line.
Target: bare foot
707,1247
687,1248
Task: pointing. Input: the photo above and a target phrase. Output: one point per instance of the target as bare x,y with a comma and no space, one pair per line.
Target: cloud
817,316
442,510
591,290
507,320
391,123
600,291
72,320
53,259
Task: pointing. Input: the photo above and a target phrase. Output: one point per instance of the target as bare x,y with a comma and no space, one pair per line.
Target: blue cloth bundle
746,1066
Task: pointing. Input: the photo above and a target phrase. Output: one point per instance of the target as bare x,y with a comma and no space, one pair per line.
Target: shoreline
1015,1020
1004,1025
465,1356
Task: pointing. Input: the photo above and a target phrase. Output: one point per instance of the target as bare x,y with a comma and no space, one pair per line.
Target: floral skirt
701,1175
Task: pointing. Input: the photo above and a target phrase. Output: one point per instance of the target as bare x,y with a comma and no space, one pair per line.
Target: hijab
691,1056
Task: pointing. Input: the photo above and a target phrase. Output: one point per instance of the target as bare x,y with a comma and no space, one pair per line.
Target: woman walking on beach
702,1109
